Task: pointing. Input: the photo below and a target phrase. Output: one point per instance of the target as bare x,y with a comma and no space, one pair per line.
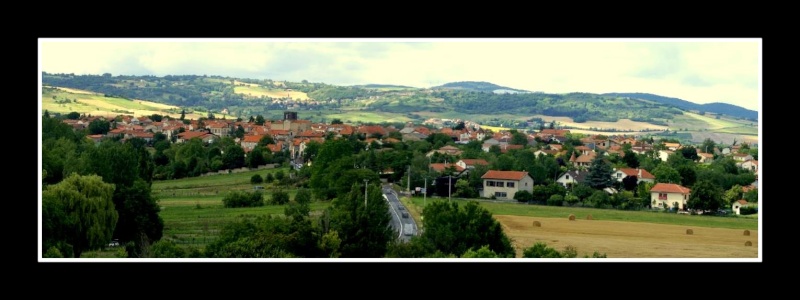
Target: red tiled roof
670,188
506,175
439,167
742,201
255,138
472,162
187,135
559,132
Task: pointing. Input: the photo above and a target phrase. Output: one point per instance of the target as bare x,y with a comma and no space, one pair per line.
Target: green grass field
693,122
193,212
192,208
497,208
354,116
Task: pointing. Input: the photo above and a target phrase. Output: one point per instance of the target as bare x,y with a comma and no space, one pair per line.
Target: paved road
396,209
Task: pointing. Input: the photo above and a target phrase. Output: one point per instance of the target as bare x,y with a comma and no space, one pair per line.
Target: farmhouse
669,195
504,184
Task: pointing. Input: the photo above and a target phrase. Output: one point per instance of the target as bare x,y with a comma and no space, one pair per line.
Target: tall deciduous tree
78,211
666,174
630,159
706,196
454,230
364,230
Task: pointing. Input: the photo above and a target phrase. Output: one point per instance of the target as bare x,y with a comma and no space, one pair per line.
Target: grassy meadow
192,207
96,104
193,216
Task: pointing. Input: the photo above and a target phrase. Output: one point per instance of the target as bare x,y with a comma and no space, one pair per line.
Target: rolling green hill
243,97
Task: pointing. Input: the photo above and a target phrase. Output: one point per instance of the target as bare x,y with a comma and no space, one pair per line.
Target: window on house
662,196
510,184
619,175
500,194
489,183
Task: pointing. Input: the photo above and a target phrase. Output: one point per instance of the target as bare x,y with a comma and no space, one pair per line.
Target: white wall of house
566,179
670,199
735,207
502,186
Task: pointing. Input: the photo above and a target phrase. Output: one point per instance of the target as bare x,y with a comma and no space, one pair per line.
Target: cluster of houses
293,135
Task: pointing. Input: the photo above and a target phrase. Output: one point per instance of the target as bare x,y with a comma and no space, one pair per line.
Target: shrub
523,196
256,179
555,200
279,197
243,199
748,210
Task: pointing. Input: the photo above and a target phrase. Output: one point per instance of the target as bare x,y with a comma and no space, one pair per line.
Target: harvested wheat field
629,239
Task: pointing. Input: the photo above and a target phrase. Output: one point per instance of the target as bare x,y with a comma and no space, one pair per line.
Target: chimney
640,172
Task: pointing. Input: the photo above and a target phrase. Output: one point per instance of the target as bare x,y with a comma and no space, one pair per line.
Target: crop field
621,234
98,105
619,239
257,91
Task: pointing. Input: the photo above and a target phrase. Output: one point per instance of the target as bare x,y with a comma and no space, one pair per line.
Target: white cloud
697,70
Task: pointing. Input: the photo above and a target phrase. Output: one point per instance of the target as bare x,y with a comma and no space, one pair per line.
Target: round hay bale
589,217
748,243
689,231
572,217
747,232
537,224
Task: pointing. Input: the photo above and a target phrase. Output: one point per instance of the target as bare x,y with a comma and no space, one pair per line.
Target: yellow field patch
619,239
621,124
74,91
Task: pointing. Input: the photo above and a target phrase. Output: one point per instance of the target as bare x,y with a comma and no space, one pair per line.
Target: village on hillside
291,136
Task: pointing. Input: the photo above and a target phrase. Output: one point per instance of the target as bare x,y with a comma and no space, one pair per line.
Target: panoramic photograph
399,150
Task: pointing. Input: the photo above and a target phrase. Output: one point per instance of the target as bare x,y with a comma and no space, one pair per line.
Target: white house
504,184
571,178
664,154
668,195
737,205
751,165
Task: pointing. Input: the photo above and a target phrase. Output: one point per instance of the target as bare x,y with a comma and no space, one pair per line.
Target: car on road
400,207
405,215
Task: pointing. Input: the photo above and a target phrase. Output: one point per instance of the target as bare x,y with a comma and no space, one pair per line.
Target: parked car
114,243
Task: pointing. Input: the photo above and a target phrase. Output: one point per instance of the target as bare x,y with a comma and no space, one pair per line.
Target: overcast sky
697,70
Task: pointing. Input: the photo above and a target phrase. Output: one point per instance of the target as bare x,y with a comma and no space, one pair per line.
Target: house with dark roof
504,184
573,177
641,175
669,195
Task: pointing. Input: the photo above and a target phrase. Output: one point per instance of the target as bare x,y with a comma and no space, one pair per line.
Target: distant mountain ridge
478,86
716,107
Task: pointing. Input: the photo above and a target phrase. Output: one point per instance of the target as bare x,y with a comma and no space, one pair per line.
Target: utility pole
365,193
408,185
425,193
450,188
